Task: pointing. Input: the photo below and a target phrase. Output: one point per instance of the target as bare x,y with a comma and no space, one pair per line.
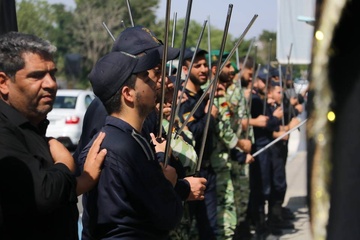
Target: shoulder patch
185,116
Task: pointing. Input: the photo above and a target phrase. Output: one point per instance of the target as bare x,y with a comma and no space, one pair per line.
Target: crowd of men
210,186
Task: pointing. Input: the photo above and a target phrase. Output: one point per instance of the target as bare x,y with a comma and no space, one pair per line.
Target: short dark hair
14,44
113,104
249,61
186,62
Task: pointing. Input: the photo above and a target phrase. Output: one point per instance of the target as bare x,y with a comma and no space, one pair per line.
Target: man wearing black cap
276,215
292,107
136,40
135,196
261,175
133,40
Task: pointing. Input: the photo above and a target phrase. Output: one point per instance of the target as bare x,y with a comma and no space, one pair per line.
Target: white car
66,118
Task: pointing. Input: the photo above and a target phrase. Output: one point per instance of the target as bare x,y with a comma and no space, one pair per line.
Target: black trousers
204,212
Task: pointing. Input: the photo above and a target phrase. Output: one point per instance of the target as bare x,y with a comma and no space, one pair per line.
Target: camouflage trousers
226,208
240,178
182,231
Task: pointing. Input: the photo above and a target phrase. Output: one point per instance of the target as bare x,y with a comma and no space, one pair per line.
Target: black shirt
197,124
263,135
94,120
38,198
133,199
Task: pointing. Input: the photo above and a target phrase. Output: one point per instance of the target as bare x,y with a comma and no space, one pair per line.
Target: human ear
4,90
185,69
127,93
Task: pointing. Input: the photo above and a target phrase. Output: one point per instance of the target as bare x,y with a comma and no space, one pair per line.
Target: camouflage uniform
182,231
240,173
221,162
184,152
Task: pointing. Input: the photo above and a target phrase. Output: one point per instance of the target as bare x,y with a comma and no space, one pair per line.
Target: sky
216,11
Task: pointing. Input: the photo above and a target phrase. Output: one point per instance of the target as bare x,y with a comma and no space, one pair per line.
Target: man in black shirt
38,189
135,40
205,211
135,197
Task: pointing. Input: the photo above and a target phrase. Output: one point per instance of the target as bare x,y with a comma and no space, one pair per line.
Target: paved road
295,198
296,194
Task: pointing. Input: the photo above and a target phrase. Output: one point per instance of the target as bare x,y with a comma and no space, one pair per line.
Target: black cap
189,52
111,71
263,74
138,39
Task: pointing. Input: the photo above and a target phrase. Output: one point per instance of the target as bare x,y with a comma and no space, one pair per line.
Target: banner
295,31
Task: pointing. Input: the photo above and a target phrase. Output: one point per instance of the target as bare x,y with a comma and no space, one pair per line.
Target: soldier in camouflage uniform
236,96
227,141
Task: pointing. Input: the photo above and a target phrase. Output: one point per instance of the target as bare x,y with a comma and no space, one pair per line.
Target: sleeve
226,133
186,154
182,188
257,106
273,124
237,155
183,151
197,123
28,183
300,98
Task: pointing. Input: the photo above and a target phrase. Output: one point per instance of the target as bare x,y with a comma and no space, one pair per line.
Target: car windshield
65,102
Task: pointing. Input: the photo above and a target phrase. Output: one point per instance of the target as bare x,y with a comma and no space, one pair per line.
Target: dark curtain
344,78
8,20
344,81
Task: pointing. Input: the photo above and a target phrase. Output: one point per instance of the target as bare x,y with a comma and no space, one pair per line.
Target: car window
65,102
88,100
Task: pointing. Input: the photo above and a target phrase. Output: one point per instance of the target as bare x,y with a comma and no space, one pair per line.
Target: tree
90,37
48,21
265,39
35,17
192,38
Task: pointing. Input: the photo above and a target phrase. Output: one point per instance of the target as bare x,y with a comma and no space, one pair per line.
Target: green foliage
35,17
50,22
194,30
268,50
81,30
91,38
266,35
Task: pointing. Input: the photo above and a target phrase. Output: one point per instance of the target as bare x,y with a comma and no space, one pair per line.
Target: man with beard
204,212
239,95
135,40
260,172
135,197
230,151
